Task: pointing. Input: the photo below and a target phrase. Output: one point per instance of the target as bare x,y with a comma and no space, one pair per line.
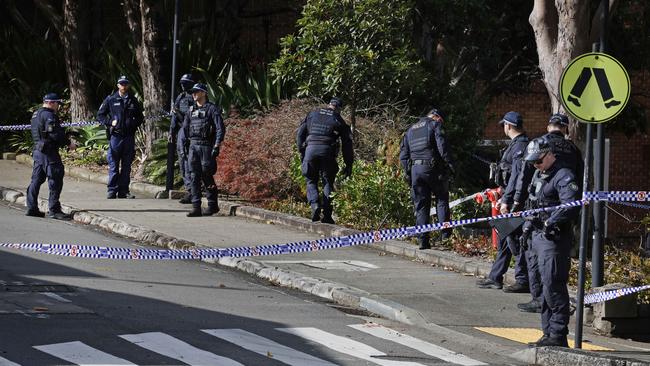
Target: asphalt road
60,310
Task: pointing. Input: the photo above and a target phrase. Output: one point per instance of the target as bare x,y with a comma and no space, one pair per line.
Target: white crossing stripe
345,345
267,347
171,347
81,354
425,347
5,362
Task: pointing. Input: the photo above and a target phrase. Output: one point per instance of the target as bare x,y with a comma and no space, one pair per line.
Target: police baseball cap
199,87
437,112
537,148
123,80
513,119
187,78
559,119
337,102
52,98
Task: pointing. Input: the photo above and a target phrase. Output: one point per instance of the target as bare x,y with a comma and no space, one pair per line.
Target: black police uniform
510,167
318,143
203,127
427,162
181,106
48,136
551,239
127,111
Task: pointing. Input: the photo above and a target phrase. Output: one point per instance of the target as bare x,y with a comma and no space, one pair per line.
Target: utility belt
201,142
427,162
44,147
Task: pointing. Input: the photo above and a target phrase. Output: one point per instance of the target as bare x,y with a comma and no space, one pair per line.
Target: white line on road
267,347
81,354
171,347
425,347
5,362
56,297
345,345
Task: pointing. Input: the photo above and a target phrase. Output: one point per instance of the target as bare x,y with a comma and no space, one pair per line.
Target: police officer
569,153
554,182
48,136
182,104
427,165
509,168
121,114
318,142
203,127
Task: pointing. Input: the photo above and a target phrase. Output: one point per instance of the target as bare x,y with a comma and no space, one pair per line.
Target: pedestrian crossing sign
594,88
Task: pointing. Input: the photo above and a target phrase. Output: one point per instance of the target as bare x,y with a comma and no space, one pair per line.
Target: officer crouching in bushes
554,182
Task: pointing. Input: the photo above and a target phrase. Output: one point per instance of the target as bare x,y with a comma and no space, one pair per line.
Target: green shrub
375,196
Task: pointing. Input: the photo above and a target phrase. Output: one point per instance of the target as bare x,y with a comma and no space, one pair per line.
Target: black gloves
215,151
407,177
527,229
347,171
551,232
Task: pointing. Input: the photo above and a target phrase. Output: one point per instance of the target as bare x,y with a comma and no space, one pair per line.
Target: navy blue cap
52,97
437,112
559,119
513,119
199,87
123,80
187,78
337,102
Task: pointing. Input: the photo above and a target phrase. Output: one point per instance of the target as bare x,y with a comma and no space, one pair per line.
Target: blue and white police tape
90,251
613,294
157,117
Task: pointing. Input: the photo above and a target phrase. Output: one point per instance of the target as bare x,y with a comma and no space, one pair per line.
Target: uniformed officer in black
182,104
318,143
203,133
48,136
554,182
121,114
427,163
569,153
509,168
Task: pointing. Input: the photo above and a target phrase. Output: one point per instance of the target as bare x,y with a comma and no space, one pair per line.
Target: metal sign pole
171,148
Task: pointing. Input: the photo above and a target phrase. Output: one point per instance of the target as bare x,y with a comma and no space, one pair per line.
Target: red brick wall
629,167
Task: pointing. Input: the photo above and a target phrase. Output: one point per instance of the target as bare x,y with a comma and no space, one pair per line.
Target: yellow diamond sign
595,87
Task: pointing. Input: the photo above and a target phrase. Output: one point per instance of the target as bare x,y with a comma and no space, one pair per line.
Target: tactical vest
184,104
322,129
201,128
419,137
38,131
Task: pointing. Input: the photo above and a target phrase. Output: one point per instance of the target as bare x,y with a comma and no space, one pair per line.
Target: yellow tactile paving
527,335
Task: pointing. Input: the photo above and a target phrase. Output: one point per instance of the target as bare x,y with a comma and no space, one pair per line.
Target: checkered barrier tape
635,205
614,196
90,251
157,117
609,295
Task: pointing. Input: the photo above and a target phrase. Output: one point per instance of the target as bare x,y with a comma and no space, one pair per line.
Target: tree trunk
141,21
562,32
70,30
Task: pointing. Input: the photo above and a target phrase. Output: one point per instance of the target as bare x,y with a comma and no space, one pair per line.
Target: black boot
327,215
315,212
551,341
424,243
530,307
35,213
211,210
196,212
187,199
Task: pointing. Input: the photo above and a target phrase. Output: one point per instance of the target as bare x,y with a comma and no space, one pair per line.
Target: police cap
187,78
537,148
513,118
123,80
559,119
437,112
336,102
199,87
52,98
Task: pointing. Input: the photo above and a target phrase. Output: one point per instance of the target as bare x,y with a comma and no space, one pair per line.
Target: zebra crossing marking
81,354
171,347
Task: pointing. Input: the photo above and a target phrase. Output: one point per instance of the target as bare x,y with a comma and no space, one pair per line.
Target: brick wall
629,167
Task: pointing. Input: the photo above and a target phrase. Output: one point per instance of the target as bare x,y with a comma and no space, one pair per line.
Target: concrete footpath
393,279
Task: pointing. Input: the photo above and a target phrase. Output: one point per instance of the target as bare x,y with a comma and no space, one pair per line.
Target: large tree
142,21
70,25
563,29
